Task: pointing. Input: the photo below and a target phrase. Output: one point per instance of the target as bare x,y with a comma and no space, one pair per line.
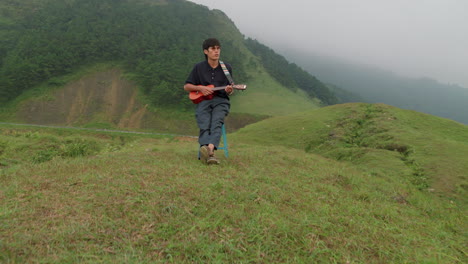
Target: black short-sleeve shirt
203,74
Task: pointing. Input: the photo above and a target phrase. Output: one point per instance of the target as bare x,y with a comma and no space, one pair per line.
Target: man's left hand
229,90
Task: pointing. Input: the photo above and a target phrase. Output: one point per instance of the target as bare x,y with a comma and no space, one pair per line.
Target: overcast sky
415,38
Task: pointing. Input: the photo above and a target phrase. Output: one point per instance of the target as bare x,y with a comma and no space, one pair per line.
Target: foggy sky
414,38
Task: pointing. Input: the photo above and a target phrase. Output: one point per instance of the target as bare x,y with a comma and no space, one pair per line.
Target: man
210,113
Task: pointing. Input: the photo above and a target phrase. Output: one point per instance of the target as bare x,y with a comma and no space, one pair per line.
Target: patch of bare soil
102,97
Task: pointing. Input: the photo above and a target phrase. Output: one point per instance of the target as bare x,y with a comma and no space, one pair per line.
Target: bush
45,155
79,148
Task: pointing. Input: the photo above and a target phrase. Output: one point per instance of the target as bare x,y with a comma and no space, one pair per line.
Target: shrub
79,148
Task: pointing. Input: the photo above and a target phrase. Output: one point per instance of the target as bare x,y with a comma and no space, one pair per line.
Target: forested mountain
289,74
156,41
379,86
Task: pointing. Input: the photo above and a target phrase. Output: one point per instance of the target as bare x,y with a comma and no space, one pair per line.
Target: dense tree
291,75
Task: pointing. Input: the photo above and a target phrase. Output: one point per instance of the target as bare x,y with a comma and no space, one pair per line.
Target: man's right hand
205,90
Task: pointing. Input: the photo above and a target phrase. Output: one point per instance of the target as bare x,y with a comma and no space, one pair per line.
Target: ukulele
197,97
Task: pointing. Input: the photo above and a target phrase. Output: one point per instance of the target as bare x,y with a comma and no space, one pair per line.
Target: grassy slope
431,151
105,197
246,107
267,97
264,97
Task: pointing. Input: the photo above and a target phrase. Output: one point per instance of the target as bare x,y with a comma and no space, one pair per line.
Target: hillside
353,183
429,151
347,183
103,96
153,43
374,85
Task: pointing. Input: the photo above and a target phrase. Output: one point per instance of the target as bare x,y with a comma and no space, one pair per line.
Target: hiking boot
212,160
204,154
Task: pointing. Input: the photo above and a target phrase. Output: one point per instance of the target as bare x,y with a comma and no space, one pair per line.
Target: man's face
213,52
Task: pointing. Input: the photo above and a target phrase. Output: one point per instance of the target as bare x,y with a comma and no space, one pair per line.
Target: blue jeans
210,116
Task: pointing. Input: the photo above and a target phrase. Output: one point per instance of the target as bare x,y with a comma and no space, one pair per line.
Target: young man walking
211,111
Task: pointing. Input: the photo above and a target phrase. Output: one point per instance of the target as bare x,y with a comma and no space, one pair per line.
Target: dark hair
211,42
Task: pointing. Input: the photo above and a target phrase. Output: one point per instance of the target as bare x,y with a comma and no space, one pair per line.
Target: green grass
147,199
264,97
429,150
267,97
44,91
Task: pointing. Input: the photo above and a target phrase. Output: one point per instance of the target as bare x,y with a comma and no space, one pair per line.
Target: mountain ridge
375,85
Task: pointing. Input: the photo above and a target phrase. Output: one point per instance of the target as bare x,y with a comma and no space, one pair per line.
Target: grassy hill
351,183
49,46
354,183
104,96
429,151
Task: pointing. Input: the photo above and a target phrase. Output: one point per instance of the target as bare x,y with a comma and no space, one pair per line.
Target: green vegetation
155,42
289,74
428,150
332,185
63,35
353,183
32,145
375,85
268,97
45,90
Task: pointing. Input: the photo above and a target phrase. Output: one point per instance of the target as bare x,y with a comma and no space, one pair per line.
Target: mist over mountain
376,85
412,38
